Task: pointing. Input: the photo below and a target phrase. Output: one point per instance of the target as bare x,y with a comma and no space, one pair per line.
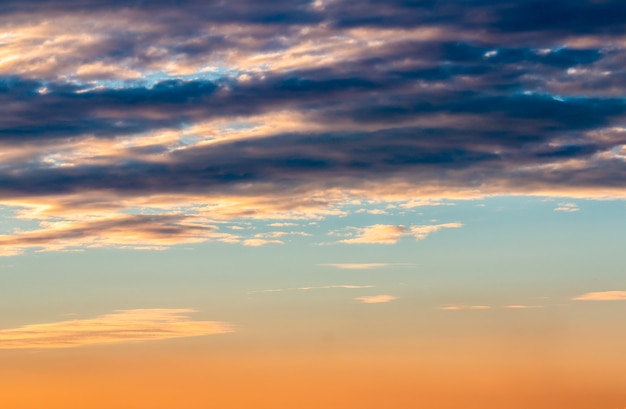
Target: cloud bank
291,110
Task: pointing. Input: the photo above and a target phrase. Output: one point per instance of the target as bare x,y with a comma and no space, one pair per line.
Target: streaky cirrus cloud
522,307
118,327
391,234
363,266
376,299
324,287
460,307
126,231
602,296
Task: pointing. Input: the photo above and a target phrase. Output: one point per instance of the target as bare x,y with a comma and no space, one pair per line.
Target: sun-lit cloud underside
121,326
602,296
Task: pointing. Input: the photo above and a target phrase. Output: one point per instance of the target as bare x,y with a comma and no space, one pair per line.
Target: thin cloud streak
364,266
456,307
376,299
602,296
344,286
522,307
119,327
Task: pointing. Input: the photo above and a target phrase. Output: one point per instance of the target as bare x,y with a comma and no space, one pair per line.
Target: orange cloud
455,307
522,307
602,296
357,266
376,299
121,230
379,234
121,326
390,234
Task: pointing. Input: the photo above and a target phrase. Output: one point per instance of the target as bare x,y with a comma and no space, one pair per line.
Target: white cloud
344,286
567,207
120,326
420,232
260,242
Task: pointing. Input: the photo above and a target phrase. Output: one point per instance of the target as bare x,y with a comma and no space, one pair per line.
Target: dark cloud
499,97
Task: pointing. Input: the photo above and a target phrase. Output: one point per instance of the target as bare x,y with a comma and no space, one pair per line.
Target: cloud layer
291,110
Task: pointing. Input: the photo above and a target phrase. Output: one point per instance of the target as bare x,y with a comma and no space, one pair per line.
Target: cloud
378,234
360,266
260,242
457,307
126,231
294,109
390,234
118,327
522,307
342,286
602,296
376,299
421,232
567,207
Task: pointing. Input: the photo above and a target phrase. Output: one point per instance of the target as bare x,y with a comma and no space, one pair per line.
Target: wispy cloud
378,234
363,266
458,307
376,299
120,326
124,231
260,242
522,307
391,234
283,224
602,296
567,207
344,286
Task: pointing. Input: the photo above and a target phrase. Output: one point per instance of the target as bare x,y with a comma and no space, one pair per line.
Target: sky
306,204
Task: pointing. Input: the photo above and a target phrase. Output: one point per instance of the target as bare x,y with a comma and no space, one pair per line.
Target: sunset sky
312,204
